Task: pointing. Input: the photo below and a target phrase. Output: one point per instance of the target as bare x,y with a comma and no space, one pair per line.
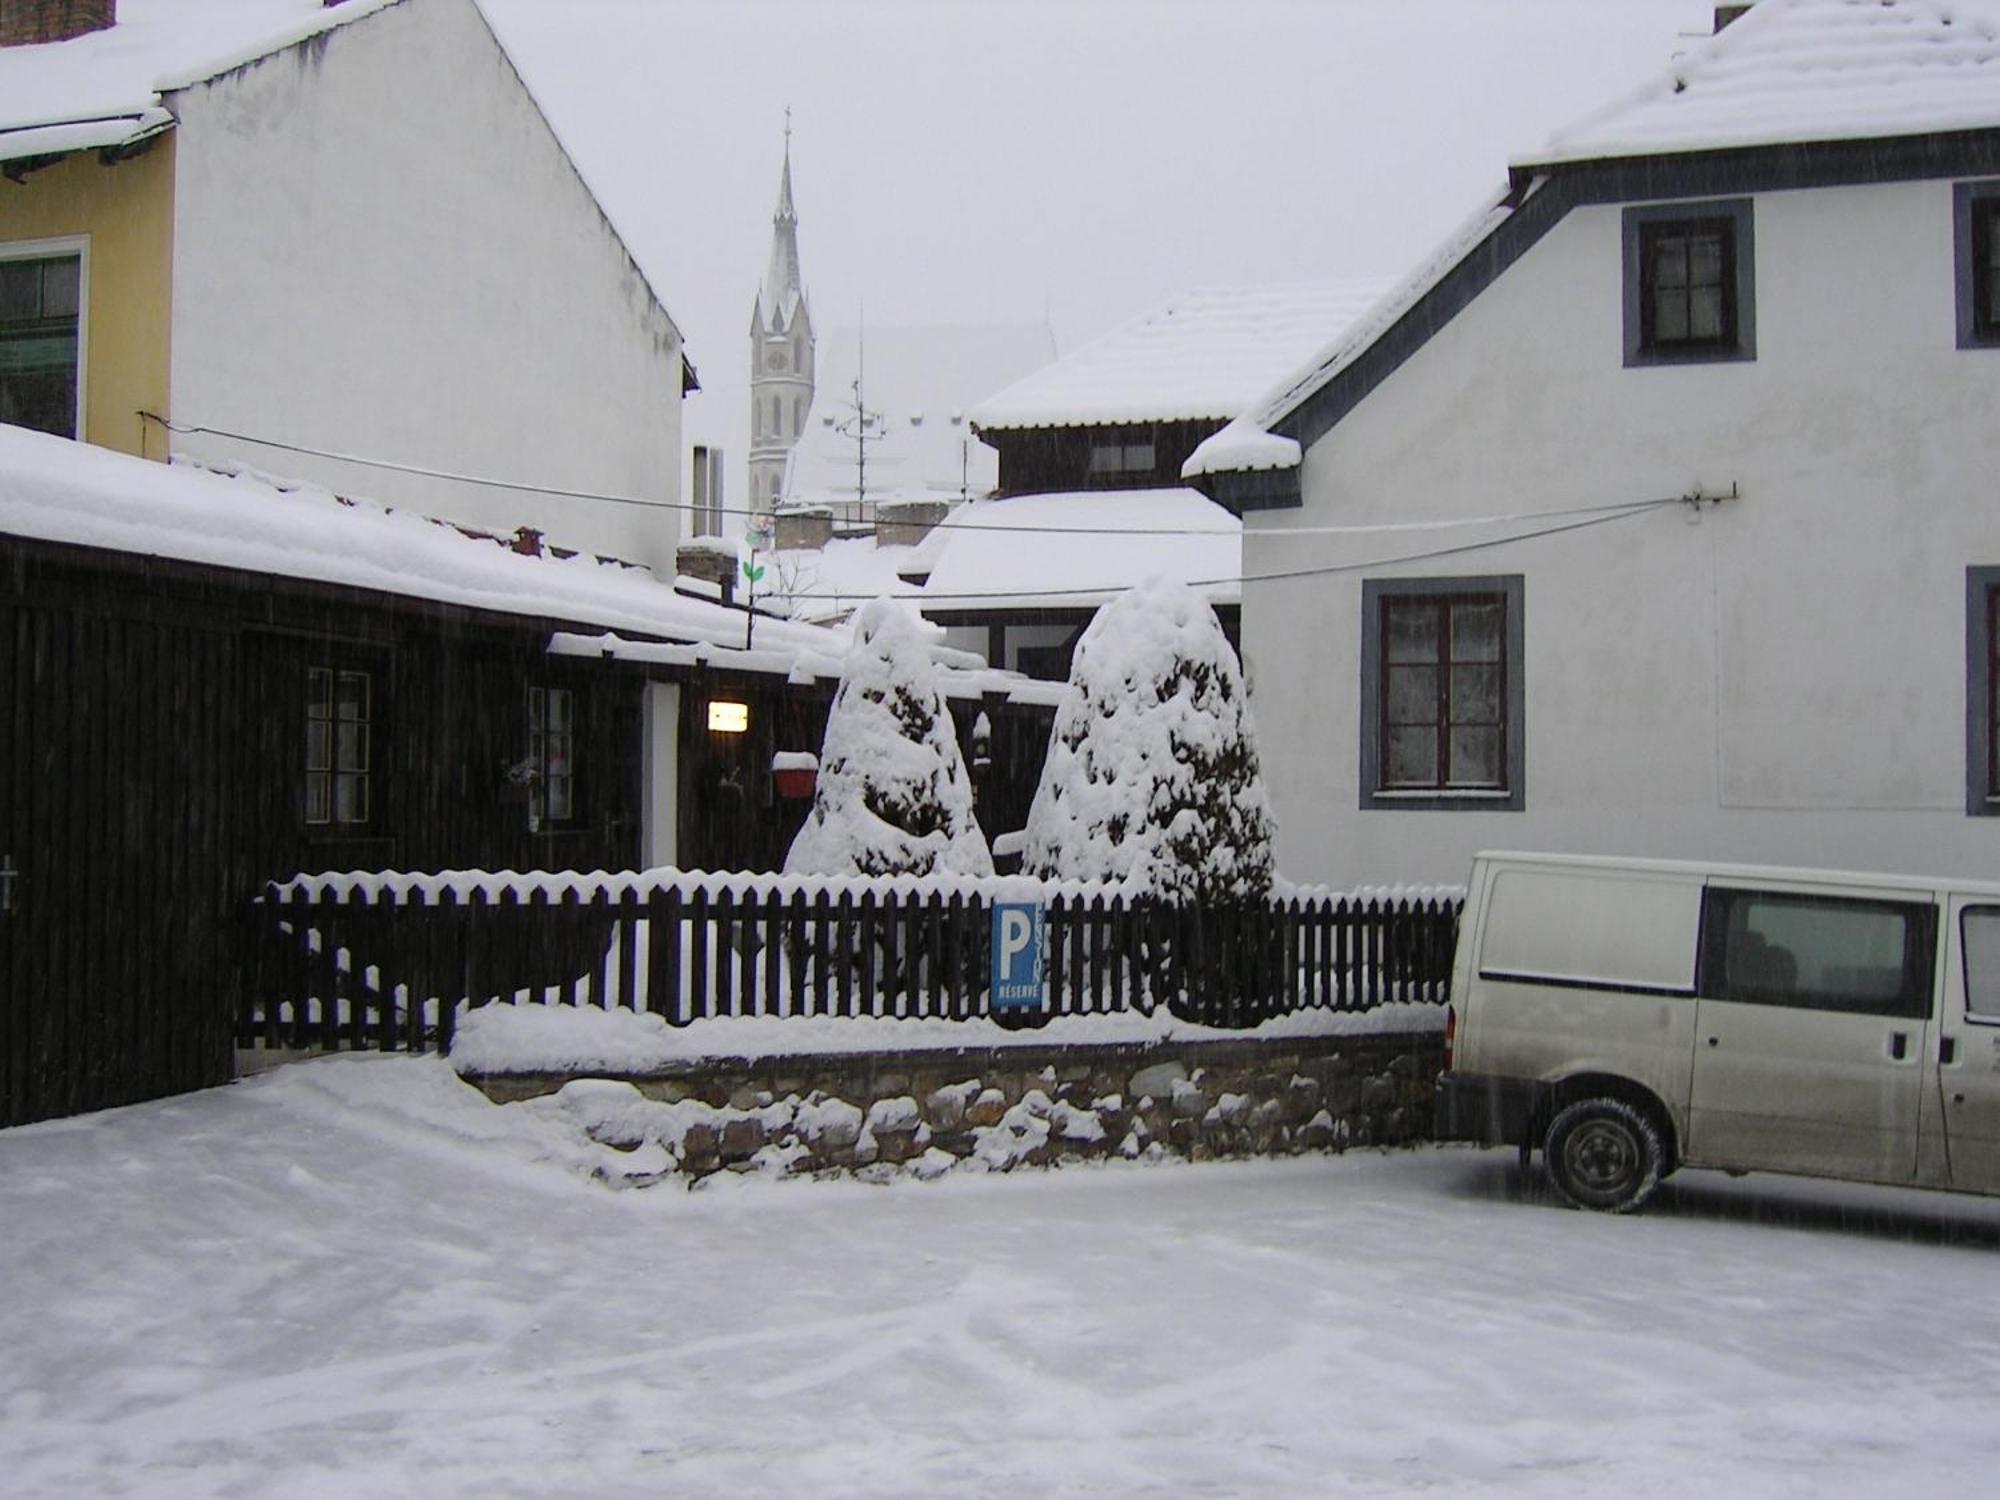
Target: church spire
782,284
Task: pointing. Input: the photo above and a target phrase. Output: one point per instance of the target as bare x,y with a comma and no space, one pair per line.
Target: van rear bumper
1476,1107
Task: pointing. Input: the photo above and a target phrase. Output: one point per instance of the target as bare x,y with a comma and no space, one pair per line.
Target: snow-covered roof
1787,72
1057,551
1246,443
53,489
106,86
1808,70
1205,355
920,380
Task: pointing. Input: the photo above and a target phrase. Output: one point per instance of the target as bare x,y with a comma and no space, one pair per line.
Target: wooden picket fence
390,962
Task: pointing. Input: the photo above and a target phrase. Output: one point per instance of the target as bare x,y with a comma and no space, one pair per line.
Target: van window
1865,957
1979,932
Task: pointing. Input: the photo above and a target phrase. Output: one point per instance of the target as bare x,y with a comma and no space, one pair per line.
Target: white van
1630,1017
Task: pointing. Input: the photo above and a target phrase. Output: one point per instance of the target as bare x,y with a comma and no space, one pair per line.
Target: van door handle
1899,1045
1948,1050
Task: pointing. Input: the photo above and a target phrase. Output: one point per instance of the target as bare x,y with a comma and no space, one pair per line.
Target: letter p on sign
1017,956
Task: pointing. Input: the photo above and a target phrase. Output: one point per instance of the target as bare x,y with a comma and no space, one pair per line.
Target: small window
41,313
1859,956
1121,458
1979,937
339,727
1982,691
551,757
1689,283
1441,690
1976,249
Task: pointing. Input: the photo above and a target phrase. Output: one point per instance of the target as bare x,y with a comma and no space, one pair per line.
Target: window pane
560,810
353,695
1475,632
350,799
1106,458
1475,695
351,748
20,290
1475,757
558,761
1412,631
319,745
319,693
1670,317
318,797
1670,262
1705,313
1412,757
62,287
559,708
1705,260
1138,457
1980,927
1826,954
1412,695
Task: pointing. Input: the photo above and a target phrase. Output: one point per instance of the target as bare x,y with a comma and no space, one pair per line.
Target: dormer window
1689,283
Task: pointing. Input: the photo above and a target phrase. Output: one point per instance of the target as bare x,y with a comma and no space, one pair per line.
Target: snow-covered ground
355,1277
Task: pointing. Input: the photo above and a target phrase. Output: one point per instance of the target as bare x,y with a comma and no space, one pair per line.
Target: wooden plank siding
154,723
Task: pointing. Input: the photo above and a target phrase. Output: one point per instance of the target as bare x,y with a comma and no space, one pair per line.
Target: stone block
1189,1102
987,1109
1156,1081
742,1138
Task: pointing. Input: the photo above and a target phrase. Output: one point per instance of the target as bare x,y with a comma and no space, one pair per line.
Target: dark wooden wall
152,744
1048,460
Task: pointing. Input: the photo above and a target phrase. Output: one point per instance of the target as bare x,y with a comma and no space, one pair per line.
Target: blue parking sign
1017,956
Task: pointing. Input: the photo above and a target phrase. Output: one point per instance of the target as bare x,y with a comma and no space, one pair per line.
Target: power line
1626,513
1383,528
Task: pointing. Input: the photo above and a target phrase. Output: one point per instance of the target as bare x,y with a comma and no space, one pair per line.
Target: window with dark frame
1690,282
1443,699
41,302
551,757
1982,691
1976,251
1858,955
339,726
1688,285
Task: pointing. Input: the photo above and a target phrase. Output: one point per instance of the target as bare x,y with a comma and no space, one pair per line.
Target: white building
308,235
1655,513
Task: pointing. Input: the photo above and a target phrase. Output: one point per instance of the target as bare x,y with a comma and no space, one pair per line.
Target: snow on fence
390,961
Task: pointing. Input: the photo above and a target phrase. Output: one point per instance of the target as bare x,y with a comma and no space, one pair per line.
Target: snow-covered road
356,1278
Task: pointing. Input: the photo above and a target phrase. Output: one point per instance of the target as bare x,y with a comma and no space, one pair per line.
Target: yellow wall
127,213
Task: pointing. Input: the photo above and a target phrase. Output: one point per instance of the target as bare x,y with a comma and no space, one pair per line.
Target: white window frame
79,246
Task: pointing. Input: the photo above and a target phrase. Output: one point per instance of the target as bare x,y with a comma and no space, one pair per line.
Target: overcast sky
1012,160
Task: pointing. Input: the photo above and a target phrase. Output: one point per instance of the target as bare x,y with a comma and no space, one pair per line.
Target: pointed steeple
782,285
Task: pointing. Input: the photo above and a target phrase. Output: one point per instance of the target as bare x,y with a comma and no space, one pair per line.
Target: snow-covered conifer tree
1153,777
893,797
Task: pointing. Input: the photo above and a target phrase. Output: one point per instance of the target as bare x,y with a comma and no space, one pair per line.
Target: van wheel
1603,1154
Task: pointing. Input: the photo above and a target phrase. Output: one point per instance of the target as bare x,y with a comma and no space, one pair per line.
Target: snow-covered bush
893,796
1152,777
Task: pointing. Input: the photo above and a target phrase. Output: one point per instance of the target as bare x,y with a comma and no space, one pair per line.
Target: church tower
781,352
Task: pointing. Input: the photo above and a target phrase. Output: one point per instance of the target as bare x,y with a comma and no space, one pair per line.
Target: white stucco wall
381,249
1781,678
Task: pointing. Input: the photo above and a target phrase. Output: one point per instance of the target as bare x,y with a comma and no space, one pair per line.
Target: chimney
1726,13
904,523
23,23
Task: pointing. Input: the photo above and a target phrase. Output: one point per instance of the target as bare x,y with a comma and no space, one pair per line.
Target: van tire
1603,1154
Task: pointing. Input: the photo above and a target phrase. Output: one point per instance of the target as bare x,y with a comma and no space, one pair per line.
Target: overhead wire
1379,528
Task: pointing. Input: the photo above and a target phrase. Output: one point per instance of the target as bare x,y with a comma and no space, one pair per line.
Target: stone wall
993,1109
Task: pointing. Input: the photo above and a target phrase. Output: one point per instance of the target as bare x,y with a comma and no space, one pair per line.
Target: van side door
1968,1049
1811,1031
